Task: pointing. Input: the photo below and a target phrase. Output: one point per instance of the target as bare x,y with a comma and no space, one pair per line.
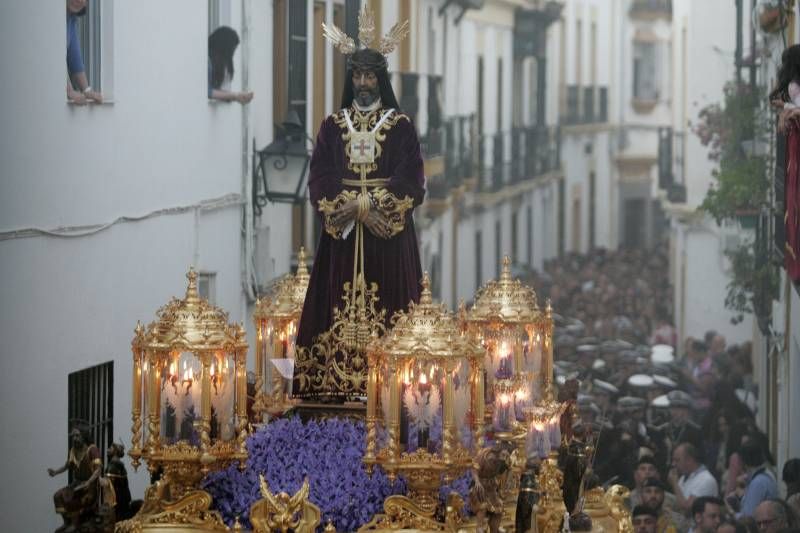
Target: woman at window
78,89
222,44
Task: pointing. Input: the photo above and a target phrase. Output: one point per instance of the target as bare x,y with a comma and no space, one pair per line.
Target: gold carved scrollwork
159,512
336,362
329,207
393,208
281,512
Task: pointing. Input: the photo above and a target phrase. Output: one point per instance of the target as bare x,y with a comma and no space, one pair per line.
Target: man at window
78,89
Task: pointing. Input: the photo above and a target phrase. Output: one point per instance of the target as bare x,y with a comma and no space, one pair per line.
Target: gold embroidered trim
329,207
365,122
377,182
393,208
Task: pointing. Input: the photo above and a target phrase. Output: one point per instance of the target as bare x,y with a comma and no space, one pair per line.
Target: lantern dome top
193,324
506,300
427,329
289,295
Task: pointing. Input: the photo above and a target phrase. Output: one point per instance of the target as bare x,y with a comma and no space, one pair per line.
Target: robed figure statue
366,176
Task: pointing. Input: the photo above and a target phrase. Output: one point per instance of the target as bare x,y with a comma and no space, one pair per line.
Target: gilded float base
189,513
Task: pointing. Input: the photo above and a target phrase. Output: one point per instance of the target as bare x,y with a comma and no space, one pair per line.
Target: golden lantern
424,407
189,393
276,319
517,335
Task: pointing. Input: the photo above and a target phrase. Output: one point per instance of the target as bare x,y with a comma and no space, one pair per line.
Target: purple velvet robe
393,263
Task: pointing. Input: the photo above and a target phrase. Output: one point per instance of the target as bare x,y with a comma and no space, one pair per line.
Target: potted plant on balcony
734,132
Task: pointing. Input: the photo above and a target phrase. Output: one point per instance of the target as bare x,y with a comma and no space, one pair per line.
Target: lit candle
538,440
502,412
504,365
423,429
520,403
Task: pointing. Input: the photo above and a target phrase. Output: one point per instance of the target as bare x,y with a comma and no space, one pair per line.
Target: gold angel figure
281,512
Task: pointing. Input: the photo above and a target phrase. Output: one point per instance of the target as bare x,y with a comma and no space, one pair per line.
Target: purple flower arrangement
329,452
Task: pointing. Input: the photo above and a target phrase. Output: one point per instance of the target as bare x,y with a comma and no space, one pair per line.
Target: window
207,286
514,230
478,259
592,209
90,400
500,95
289,45
562,200
498,247
480,97
96,45
219,14
529,224
644,71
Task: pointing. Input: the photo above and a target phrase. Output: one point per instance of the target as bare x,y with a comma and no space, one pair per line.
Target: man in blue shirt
75,68
761,483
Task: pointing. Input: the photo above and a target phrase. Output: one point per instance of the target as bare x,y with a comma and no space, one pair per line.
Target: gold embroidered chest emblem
362,147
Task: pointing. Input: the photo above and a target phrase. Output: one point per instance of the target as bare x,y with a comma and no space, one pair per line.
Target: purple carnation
329,452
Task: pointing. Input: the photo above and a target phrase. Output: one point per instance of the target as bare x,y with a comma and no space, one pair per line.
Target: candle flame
505,399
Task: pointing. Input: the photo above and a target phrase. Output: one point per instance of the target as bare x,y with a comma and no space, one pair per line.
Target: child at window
75,68
222,44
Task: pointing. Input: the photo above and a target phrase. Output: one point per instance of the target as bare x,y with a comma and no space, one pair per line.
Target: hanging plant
733,130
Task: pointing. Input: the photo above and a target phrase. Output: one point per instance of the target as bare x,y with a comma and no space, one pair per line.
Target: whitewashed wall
69,303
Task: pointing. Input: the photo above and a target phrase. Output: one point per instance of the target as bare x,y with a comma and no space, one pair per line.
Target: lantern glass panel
532,361
462,402
422,398
382,408
223,385
180,398
145,400
499,361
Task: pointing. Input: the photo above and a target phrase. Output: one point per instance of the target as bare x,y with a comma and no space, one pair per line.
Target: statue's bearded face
365,87
76,437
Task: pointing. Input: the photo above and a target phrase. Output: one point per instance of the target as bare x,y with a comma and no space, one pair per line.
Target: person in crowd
791,476
761,483
645,470
681,428
645,519
773,515
689,478
653,496
222,43
78,89
707,514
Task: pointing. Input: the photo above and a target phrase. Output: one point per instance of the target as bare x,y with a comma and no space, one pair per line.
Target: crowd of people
674,423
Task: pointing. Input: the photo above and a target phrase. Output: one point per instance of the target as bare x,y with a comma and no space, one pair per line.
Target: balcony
670,164
651,9
587,105
534,151
455,142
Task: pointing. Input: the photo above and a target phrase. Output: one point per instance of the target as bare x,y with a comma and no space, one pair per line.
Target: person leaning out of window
222,44
78,89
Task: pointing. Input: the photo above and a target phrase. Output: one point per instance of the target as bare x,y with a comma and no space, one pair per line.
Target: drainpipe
248,233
